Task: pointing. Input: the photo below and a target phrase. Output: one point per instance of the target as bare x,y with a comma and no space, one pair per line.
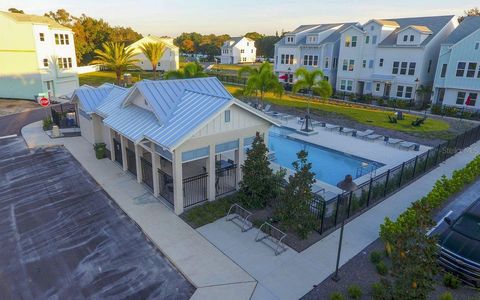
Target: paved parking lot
62,236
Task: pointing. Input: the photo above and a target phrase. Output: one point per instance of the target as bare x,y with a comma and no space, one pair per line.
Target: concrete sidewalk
291,275
213,274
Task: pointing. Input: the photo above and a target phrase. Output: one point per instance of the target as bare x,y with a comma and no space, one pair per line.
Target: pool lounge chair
363,134
393,142
331,127
373,137
409,145
346,131
267,108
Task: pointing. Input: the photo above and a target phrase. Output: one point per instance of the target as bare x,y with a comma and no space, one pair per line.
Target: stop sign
44,102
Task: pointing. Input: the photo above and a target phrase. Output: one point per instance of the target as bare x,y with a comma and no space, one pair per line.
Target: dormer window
42,37
372,28
312,39
289,39
477,45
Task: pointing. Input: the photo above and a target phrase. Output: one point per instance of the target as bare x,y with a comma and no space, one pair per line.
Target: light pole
335,277
414,94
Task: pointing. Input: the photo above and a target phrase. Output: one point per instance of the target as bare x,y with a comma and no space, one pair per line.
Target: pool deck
377,150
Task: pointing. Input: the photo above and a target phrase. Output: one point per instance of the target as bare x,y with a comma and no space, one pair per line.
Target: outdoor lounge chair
331,127
363,134
408,145
346,131
267,108
393,142
373,137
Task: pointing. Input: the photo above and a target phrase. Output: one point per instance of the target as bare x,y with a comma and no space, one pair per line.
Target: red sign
44,102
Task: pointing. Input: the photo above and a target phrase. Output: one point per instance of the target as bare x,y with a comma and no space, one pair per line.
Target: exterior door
147,174
117,147
388,87
50,90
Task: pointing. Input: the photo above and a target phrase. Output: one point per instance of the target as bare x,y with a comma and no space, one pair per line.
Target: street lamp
414,93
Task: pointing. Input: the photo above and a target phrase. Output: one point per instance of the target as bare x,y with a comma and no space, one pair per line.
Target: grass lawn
208,212
361,114
98,78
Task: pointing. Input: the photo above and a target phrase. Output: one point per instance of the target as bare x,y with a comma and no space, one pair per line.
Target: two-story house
168,62
391,58
457,80
238,50
311,47
37,57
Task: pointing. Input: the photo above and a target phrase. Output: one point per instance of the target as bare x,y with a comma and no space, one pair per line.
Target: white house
391,58
457,80
238,50
37,57
169,60
311,47
184,139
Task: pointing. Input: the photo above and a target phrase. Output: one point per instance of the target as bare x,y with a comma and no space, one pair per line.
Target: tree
261,80
61,16
254,35
294,206
188,46
16,11
259,184
266,46
470,13
153,52
314,82
424,92
116,57
190,70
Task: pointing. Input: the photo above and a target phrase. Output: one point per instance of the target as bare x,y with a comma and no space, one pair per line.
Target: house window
412,38
248,44
411,68
405,38
380,64
441,95
315,60
354,41
251,51
227,116
472,99
351,65
408,92
326,62
42,37
348,41
342,85
57,39
67,42
444,71
377,87
62,39
400,91
368,87
159,64
60,63
460,98
372,28
396,64
69,62
477,45
45,62
65,63
290,59
370,64
374,39
345,65
403,69
282,60
242,51
478,73
335,63
367,39
364,63
429,66
289,39
244,59
461,69
346,85
472,67
349,85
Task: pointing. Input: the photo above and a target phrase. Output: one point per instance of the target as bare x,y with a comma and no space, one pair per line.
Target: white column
155,165
138,162
124,153
239,159
211,188
177,182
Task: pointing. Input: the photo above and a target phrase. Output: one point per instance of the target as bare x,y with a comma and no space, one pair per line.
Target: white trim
8,136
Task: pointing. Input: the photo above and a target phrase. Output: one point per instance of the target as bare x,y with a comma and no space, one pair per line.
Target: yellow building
37,57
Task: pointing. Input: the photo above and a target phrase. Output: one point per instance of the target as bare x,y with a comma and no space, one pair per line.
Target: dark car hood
460,245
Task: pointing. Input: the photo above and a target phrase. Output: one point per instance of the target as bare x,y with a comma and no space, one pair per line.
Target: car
459,245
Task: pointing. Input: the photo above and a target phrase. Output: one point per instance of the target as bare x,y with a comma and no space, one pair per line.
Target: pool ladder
369,168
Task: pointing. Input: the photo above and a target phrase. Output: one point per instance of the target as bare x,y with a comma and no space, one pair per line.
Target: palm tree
261,80
190,70
314,82
116,57
423,92
153,52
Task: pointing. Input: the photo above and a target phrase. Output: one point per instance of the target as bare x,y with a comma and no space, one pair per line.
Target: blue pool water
329,166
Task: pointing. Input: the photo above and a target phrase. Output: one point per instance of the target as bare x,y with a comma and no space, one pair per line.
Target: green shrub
354,292
446,296
380,290
337,296
382,268
47,123
451,281
375,257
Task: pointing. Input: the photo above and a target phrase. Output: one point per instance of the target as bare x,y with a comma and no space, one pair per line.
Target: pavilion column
177,182
212,176
239,159
123,145
155,165
138,162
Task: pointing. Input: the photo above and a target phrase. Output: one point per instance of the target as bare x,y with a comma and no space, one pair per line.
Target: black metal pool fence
343,207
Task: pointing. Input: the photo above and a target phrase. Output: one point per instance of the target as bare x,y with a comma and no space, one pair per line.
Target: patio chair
373,137
331,127
363,134
346,131
408,145
267,108
300,120
393,142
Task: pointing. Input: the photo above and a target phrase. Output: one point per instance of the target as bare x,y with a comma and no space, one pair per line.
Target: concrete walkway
213,274
291,275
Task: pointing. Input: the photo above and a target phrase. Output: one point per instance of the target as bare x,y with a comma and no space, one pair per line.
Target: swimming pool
329,165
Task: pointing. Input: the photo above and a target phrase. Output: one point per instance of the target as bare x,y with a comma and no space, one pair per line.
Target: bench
239,216
272,237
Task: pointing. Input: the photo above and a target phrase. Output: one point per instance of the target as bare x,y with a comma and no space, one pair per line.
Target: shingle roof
315,29
33,19
435,24
464,29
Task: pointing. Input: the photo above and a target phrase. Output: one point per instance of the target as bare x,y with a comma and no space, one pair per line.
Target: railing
131,161
226,180
345,206
165,182
147,175
195,190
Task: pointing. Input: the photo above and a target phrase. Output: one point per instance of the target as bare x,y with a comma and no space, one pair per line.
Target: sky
172,17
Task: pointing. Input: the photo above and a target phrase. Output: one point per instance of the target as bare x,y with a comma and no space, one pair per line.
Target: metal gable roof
468,26
90,98
113,101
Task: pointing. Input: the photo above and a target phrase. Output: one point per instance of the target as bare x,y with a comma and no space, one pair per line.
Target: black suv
460,245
